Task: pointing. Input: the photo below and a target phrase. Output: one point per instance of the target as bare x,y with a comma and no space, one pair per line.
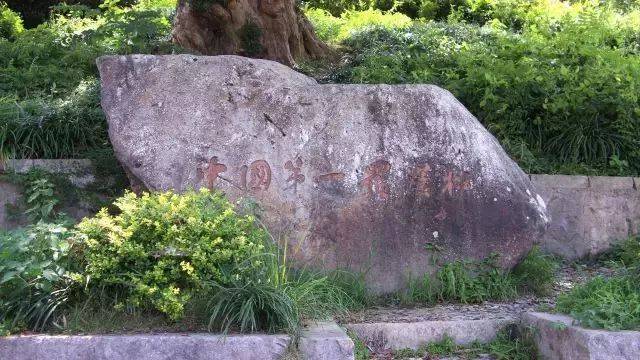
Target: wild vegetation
609,303
166,255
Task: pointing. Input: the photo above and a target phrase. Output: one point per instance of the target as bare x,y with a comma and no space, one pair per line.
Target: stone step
397,328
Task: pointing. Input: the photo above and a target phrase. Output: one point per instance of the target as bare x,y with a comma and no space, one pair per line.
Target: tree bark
268,29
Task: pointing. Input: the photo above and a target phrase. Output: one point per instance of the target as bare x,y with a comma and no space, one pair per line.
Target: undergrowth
468,281
509,344
609,303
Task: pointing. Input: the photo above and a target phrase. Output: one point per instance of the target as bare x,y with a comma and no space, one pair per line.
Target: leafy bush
49,94
35,277
10,23
612,304
336,29
162,248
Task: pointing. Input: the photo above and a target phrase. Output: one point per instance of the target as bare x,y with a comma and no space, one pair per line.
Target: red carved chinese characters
212,170
422,179
259,175
452,183
296,177
375,179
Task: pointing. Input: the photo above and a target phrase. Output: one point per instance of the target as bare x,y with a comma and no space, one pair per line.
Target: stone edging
557,337
585,182
322,341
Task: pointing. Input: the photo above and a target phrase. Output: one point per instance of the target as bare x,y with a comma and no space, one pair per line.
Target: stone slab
560,181
557,337
144,347
415,334
611,183
325,341
79,171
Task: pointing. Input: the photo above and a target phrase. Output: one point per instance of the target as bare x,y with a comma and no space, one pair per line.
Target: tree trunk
269,29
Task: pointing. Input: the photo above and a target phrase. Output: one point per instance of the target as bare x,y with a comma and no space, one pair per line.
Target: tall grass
277,297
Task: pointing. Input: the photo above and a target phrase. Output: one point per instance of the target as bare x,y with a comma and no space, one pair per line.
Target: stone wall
588,213
78,171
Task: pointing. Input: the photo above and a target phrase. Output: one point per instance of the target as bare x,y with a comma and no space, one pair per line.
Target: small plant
627,253
511,344
536,272
40,199
472,282
361,351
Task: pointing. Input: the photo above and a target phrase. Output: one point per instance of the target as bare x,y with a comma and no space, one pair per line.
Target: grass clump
468,281
612,304
509,344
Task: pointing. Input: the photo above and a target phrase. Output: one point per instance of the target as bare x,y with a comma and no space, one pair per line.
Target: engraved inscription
421,179
211,171
296,177
375,179
259,175
453,183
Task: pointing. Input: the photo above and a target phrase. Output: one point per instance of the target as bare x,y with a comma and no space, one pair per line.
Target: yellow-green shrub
10,23
163,247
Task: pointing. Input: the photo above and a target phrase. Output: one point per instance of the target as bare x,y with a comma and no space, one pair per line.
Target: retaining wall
588,213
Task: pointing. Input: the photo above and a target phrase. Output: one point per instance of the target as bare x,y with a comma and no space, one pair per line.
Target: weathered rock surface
557,337
366,177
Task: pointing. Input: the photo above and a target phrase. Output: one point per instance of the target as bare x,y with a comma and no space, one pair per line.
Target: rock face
373,178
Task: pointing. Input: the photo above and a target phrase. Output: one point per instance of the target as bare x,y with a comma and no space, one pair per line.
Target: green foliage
478,281
509,344
627,253
40,199
163,247
49,94
360,351
513,344
472,282
253,306
10,23
336,29
35,281
276,297
536,272
250,34
612,304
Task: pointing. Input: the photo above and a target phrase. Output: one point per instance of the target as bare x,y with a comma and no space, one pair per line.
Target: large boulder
373,178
